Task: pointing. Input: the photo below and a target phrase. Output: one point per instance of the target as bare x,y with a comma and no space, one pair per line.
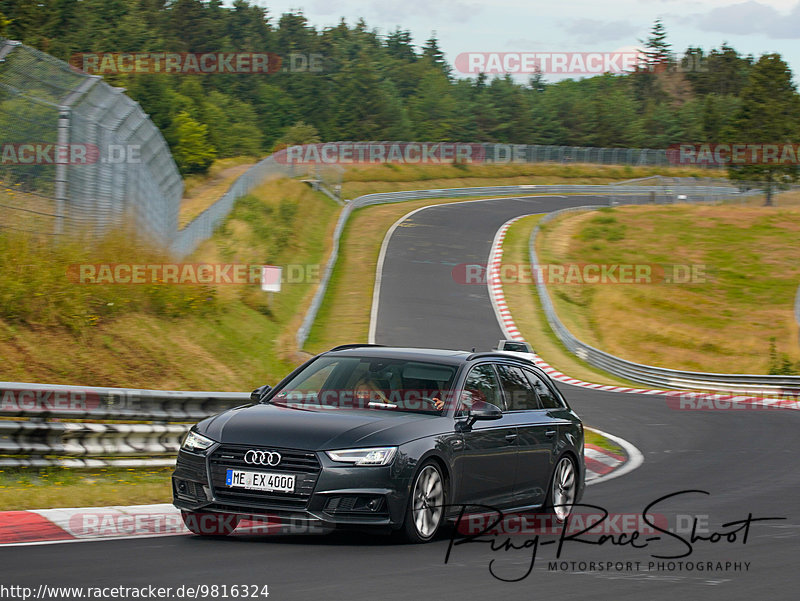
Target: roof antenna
473,349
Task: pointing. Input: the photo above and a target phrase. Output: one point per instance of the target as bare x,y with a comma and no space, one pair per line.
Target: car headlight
196,442
376,456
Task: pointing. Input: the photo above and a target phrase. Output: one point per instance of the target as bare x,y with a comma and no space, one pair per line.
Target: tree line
372,86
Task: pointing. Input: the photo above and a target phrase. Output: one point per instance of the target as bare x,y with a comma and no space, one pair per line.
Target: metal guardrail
42,437
648,374
631,194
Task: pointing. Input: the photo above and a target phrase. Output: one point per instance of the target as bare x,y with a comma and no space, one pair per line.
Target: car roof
446,356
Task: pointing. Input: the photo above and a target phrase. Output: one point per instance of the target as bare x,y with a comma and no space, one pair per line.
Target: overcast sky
752,27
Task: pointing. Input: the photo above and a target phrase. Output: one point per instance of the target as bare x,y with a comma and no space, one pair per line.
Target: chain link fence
201,228
535,153
78,154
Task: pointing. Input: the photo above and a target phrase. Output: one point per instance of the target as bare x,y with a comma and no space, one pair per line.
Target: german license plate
260,481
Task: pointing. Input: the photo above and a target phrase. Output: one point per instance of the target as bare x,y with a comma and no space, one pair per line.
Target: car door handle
550,433
511,437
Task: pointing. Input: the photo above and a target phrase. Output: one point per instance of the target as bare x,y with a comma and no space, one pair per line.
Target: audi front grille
303,464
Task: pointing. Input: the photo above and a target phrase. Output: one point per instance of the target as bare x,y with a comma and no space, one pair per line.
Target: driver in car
367,390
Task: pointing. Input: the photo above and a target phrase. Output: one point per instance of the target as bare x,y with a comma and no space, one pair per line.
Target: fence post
64,115
63,139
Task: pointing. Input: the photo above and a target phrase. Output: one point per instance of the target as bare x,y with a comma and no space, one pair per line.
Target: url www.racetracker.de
200,591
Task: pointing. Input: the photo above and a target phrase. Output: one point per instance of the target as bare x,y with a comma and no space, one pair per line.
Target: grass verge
523,302
367,179
735,315
174,337
597,439
59,487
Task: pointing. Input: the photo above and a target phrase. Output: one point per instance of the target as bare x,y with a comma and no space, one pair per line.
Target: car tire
210,524
425,512
563,489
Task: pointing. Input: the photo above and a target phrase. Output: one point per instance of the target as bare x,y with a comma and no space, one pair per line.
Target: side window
481,386
518,391
547,397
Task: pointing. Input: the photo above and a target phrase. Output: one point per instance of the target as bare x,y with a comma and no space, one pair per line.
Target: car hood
318,429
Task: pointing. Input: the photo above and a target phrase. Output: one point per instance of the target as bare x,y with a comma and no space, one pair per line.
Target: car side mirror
260,393
485,411
482,411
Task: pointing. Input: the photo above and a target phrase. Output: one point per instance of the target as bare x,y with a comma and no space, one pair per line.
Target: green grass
592,437
27,488
222,337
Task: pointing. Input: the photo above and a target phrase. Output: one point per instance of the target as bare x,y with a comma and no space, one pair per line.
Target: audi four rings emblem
271,458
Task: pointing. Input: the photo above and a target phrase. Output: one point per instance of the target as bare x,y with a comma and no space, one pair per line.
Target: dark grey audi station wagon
396,438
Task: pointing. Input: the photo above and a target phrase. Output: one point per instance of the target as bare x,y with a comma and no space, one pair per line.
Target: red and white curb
600,461
677,399
76,524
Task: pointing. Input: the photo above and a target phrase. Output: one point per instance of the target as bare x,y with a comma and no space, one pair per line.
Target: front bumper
326,492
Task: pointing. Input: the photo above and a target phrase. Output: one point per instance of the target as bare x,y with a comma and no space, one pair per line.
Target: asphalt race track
745,460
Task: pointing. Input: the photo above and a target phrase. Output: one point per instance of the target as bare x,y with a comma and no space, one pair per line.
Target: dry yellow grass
367,179
722,323
200,192
523,302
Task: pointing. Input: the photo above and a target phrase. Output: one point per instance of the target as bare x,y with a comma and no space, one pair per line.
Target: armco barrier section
658,377
42,438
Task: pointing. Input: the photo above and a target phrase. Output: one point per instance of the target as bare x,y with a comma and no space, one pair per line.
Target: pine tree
399,45
658,52
432,53
769,114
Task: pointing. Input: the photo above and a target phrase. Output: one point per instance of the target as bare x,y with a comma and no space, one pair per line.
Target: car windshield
370,383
